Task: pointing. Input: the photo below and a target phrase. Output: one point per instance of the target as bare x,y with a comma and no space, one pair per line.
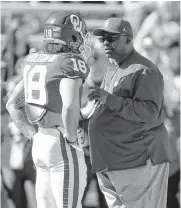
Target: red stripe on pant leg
76,178
66,173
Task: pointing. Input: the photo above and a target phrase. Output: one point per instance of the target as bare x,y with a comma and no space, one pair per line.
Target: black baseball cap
115,26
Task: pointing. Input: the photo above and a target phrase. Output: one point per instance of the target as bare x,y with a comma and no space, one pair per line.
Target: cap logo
106,23
124,30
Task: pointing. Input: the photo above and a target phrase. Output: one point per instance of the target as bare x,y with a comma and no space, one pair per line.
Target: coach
130,149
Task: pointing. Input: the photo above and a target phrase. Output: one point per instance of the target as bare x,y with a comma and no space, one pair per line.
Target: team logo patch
77,23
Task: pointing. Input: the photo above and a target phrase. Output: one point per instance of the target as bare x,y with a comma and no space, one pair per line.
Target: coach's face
114,44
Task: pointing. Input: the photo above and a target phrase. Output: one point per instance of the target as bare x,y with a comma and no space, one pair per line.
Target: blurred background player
18,172
48,97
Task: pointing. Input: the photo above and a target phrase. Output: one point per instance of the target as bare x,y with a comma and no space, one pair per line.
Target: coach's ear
128,41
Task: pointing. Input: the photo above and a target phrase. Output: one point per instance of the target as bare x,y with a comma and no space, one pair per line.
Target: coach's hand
98,94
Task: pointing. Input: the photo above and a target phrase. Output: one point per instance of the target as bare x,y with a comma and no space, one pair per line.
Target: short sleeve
74,67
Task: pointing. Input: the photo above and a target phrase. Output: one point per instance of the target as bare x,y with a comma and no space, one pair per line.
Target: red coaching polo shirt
129,128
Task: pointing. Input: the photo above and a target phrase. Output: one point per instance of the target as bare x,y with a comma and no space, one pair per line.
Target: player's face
113,44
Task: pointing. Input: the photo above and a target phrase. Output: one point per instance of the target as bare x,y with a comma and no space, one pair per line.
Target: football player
49,97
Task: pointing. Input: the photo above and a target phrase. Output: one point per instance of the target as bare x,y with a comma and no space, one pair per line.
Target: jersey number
34,78
79,65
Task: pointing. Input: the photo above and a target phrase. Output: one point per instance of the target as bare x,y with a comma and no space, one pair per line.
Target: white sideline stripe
82,176
71,176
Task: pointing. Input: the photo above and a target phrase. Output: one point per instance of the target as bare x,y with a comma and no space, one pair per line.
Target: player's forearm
18,116
70,116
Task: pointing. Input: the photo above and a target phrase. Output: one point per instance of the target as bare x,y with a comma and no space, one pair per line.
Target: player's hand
98,94
75,142
76,146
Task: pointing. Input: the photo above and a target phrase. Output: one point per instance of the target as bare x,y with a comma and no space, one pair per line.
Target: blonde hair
53,48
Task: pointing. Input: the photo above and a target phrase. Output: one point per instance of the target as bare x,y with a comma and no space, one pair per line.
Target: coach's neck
122,54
